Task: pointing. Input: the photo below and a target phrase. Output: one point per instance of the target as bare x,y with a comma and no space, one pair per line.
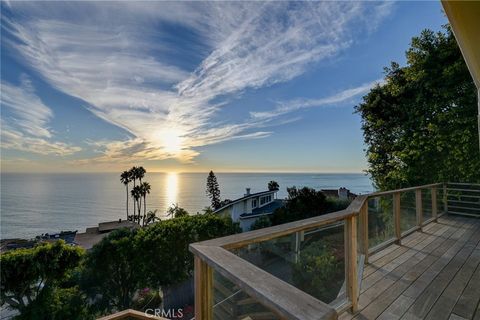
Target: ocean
32,204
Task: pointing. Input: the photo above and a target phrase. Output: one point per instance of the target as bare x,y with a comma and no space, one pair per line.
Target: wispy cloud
297,104
27,110
13,139
25,121
117,58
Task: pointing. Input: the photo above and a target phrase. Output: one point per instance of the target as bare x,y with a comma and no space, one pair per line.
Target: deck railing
270,273
463,198
131,314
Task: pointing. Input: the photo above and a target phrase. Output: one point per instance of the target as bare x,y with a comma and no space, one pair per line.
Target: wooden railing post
351,260
363,231
434,203
418,207
445,198
203,290
396,213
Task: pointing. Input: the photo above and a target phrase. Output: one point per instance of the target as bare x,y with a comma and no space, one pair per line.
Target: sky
195,86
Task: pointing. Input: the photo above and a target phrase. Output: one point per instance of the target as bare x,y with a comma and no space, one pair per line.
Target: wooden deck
434,274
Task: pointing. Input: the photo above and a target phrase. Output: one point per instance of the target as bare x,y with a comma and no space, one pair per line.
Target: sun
171,141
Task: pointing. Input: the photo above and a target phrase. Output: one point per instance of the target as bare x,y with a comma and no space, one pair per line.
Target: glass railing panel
408,211
426,204
232,303
312,260
381,224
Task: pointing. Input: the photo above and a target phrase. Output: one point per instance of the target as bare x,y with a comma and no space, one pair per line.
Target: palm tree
145,189
140,173
136,194
125,179
133,177
273,186
152,217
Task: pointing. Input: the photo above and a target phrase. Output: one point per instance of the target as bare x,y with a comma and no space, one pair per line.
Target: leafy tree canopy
129,260
323,285
301,204
420,125
175,211
166,245
27,274
112,268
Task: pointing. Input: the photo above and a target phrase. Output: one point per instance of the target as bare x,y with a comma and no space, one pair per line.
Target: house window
265,199
254,203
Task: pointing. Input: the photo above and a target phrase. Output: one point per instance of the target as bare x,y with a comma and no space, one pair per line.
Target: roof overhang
464,17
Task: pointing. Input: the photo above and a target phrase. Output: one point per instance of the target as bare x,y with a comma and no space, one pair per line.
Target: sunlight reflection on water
171,189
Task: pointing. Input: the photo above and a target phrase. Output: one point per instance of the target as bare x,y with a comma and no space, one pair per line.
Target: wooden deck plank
400,266
411,240
386,270
470,298
429,296
477,313
426,278
384,256
402,277
445,304
435,274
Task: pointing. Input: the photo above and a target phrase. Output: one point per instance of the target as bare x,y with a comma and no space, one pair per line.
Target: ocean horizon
36,203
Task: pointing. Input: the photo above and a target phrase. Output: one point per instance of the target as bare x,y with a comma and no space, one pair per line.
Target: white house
247,209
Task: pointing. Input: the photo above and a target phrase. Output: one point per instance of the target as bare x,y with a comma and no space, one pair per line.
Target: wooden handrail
265,234
131,314
389,192
282,298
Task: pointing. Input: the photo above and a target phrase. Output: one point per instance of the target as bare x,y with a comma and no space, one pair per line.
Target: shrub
34,273
262,222
318,272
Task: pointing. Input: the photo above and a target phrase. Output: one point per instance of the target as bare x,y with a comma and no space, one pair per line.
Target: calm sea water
32,204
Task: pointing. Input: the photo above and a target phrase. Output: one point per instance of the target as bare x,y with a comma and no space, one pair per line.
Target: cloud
297,104
121,59
16,140
28,111
25,125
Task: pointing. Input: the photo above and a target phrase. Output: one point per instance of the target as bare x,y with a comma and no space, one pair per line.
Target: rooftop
269,208
245,197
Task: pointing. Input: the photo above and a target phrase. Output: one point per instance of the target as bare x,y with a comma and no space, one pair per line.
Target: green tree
324,285
140,173
175,211
125,179
112,271
152,217
28,274
127,261
300,204
136,193
260,223
420,125
166,245
273,186
213,190
58,304
133,177
144,189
